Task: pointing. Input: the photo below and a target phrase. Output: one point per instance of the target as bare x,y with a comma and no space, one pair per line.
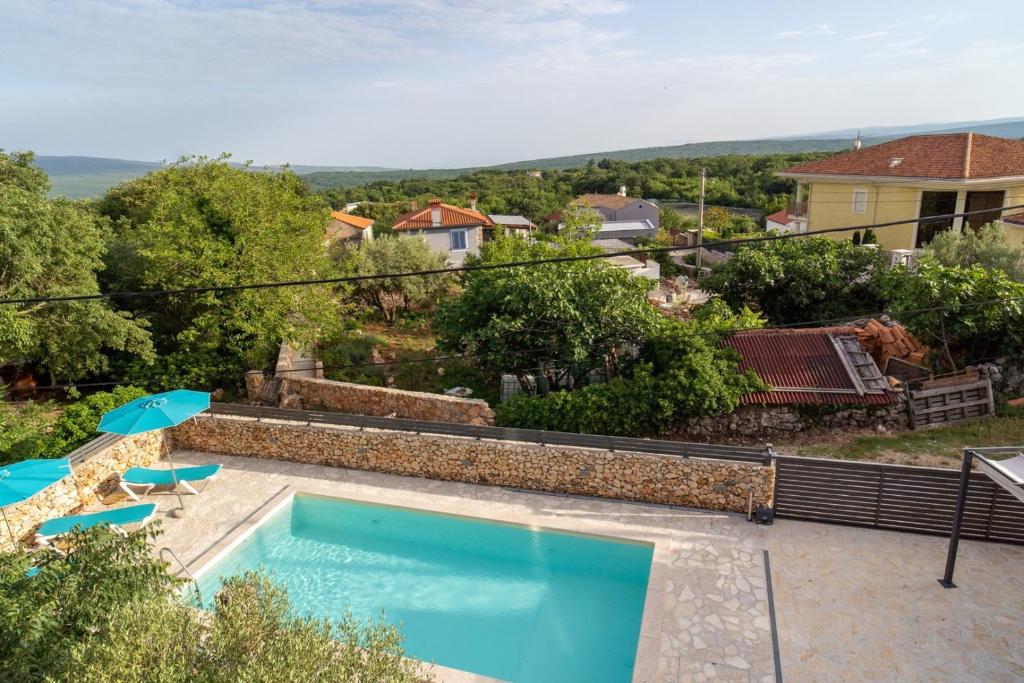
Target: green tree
984,247
682,371
106,610
203,223
42,616
395,255
799,280
53,247
971,313
23,430
251,636
554,319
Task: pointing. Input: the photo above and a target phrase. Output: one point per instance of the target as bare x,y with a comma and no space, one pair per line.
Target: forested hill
694,150
733,180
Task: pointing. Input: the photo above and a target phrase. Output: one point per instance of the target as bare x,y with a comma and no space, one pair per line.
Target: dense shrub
29,431
682,372
106,610
800,280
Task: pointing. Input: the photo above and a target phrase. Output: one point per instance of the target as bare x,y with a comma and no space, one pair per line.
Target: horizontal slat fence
760,455
898,497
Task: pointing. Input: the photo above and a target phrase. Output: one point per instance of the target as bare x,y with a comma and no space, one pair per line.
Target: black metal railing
751,454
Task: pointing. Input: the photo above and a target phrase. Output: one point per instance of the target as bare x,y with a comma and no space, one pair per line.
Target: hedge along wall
91,479
644,477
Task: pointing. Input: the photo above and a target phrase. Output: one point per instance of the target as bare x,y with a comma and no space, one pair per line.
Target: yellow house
910,180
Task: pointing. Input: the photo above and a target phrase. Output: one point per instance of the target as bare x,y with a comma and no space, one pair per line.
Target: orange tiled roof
781,217
451,217
952,156
606,201
1016,219
355,221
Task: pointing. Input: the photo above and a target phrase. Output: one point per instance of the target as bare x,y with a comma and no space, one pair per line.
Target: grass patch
942,446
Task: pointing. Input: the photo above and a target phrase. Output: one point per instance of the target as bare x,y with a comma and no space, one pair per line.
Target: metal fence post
958,519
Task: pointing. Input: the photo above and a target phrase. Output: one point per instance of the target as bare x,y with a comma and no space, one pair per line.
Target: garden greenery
682,371
105,610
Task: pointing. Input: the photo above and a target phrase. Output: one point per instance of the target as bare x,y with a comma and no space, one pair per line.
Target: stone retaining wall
90,480
307,393
710,484
767,421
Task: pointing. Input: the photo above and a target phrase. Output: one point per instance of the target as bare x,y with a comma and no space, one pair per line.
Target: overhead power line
707,333
482,266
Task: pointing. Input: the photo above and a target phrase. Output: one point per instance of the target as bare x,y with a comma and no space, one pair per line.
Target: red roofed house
449,230
914,178
347,227
819,366
780,221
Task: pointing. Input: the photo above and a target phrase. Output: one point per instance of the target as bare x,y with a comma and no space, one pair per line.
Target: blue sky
441,83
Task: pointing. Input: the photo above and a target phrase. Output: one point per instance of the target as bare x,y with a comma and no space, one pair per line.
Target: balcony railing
797,209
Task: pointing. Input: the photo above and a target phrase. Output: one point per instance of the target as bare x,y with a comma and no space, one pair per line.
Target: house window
458,240
990,202
860,201
934,204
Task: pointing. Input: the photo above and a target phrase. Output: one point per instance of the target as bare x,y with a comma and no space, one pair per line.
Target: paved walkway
852,604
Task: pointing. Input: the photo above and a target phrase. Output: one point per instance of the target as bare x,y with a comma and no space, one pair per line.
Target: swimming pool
501,600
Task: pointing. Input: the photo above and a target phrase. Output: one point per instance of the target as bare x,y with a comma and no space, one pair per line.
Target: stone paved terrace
851,604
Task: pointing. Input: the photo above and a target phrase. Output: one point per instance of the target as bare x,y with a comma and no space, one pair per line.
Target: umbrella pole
180,512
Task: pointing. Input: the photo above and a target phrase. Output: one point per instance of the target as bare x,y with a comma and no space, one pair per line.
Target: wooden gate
943,405
899,497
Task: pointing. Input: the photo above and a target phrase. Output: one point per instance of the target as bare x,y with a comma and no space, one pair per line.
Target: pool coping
646,660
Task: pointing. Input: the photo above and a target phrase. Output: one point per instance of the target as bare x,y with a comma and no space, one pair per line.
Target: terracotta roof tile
1016,219
781,217
355,221
451,217
953,156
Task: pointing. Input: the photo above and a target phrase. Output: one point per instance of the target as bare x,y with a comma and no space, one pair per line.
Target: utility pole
700,217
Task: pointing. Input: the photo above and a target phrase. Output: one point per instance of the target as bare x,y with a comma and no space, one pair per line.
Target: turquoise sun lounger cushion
144,475
132,514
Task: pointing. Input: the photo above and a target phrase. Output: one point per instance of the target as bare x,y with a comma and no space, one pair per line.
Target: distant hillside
1012,127
82,177
693,150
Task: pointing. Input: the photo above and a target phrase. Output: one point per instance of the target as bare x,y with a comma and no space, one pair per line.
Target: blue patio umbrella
158,411
22,480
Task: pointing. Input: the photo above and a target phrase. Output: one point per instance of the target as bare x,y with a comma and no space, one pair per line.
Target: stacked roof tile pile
885,340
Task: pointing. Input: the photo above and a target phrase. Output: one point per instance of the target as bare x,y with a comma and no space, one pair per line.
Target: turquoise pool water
496,599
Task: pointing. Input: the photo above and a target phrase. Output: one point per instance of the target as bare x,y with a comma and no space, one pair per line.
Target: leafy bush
682,372
107,611
77,424
43,616
984,247
801,279
28,431
252,636
23,430
967,313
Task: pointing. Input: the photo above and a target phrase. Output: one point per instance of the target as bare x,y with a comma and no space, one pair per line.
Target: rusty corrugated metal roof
803,366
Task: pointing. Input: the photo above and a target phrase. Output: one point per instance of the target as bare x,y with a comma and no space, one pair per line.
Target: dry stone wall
710,484
90,480
766,421
307,393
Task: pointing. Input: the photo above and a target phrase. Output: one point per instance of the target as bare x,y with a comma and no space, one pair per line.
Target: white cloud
817,30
